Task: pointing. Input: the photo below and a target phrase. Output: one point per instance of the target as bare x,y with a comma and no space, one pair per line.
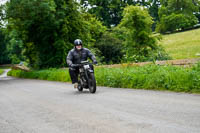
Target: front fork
87,72
84,77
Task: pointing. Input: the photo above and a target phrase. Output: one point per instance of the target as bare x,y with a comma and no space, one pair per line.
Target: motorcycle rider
74,58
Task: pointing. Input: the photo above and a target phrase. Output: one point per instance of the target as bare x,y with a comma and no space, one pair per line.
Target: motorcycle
86,78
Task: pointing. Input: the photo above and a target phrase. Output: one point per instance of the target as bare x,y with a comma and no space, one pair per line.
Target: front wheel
92,83
80,88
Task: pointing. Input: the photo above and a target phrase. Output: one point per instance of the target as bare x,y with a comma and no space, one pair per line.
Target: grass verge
49,74
154,77
1,71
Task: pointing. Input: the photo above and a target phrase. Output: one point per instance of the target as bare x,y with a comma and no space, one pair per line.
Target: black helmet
77,42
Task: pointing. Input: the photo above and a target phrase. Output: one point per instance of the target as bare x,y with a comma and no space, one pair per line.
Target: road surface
36,106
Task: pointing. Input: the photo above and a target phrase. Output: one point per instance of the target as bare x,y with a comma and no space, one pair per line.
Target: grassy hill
183,45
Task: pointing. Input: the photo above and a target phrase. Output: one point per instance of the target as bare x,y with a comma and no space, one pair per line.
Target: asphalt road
36,106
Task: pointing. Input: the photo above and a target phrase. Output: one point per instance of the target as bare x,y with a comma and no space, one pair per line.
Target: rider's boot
75,85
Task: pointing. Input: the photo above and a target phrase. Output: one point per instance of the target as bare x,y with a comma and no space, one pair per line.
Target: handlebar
83,63
87,62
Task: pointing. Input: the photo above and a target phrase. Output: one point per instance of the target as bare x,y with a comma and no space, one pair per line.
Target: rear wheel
92,83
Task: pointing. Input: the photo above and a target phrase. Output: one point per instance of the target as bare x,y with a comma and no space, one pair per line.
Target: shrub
175,22
110,49
140,43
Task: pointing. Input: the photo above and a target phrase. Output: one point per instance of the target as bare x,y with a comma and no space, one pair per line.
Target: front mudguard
91,71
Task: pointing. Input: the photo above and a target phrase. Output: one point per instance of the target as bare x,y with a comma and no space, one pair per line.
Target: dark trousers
74,74
74,71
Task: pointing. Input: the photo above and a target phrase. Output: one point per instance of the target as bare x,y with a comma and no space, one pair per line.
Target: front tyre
80,88
92,83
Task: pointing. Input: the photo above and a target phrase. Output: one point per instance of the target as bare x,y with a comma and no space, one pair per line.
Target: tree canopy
110,11
41,32
177,15
139,40
48,28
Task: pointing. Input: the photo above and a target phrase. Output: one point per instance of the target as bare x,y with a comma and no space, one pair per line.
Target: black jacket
75,57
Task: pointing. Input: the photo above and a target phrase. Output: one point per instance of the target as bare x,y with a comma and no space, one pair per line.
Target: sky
3,1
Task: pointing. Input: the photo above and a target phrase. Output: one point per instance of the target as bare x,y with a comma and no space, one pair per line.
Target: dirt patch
19,67
182,62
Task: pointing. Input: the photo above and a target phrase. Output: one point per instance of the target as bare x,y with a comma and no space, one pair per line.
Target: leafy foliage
4,59
109,11
111,48
177,15
93,29
153,11
139,40
36,29
106,11
49,28
176,22
42,32
15,47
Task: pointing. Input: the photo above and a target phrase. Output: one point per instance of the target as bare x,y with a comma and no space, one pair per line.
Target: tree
182,6
176,22
110,11
139,41
93,29
4,59
177,15
14,47
47,29
197,13
105,10
153,11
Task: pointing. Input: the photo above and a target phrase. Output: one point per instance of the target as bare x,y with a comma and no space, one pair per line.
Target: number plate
86,66
81,70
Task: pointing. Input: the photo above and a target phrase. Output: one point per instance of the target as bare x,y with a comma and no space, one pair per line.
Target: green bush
154,77
175,22
140,43
158,54
110,49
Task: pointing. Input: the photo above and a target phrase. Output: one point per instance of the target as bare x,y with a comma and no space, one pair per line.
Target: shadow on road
84,92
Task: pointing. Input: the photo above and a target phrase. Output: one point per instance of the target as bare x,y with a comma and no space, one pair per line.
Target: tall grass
152,77
171,78
1,71
182,45
49,74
